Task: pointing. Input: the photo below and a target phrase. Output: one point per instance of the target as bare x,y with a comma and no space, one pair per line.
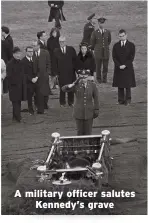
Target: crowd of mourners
49,63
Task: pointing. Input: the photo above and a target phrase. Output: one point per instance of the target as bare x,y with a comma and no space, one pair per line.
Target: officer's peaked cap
102,20
91,16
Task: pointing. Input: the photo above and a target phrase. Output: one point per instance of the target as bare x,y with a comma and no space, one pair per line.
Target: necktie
122,43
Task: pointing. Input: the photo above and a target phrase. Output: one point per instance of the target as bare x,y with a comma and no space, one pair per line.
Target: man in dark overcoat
42,37
65,60
88,29
6,51
56,12
124,77
27,65
100,41
16,83
42,70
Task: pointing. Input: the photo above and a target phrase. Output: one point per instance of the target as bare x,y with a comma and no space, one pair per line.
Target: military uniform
88,29
86,106
100,41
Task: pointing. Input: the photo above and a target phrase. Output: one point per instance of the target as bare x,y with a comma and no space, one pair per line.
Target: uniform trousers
63,97
124,95
99,63
16,110
84,127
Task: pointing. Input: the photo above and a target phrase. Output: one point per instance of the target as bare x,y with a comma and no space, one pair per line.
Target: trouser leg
46,98
30,92
121,95
40,102
98,69
105,69
128,95
62,97
80,126
88,126
16,110
70,98
57,20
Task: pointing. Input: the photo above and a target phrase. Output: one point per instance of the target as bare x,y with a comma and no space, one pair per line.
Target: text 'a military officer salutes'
100,41
88,29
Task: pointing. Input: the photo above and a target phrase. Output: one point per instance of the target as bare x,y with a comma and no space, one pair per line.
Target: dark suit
85,107
6,55
42,46
124,78
100,44
65,70
88,29
16,85
42,69
31,87
56,12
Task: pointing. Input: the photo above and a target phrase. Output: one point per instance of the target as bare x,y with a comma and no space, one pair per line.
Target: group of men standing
28,78
123,54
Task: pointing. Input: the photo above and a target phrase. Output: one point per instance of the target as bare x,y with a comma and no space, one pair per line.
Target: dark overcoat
42,46
16,81
52,44
88,29
86,100
42,69
6,55
56,11
27,68
100,43
65,65
86,62
124,56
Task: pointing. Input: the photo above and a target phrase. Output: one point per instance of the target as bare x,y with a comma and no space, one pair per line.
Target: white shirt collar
38,52
123,42
42,42
64,47
101,30
29,58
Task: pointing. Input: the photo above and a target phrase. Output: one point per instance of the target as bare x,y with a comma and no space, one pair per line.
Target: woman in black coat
52,44
85,59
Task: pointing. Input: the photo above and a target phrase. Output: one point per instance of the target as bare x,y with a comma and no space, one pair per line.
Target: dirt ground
32,138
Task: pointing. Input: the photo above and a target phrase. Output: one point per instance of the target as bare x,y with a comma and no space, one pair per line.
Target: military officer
88,29
86,106
100,41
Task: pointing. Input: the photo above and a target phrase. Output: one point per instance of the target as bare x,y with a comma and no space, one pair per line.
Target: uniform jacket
65,65
88,29
42,69
27,68
124,56
85,63
56,11
16,81
52,44
86,100
100,43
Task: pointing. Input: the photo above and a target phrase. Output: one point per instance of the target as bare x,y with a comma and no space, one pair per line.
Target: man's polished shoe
71,105
62,106
40,113
31,112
